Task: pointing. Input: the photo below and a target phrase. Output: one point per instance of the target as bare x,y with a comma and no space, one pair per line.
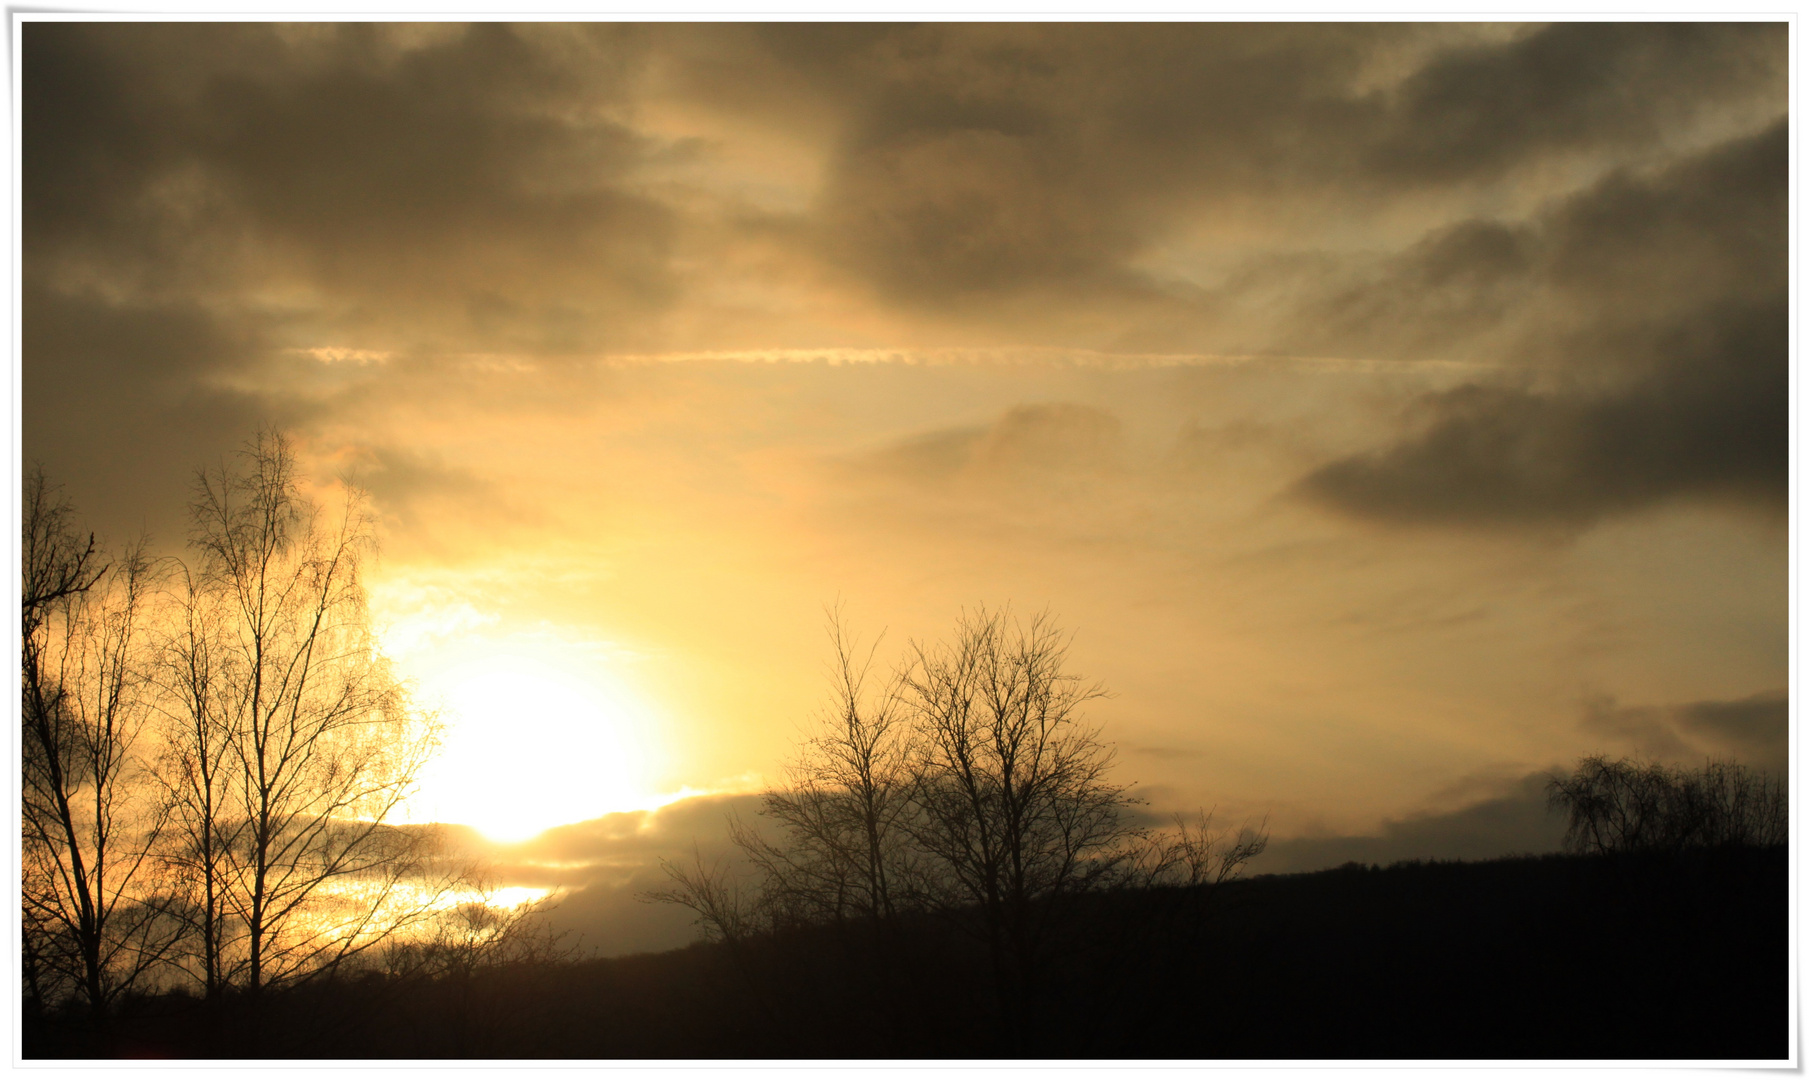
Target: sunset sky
1393,412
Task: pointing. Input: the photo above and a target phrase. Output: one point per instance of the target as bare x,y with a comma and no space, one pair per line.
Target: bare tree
94,923
1194,853
55,563
1740,807
1631,805
726,910
480,932
298,745
195,770
968,786
841,848
1012,802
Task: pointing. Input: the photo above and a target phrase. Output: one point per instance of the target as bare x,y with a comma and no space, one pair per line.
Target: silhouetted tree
1194,853
1629,805
480,932
92,920
969,786
841,847
55,563
295,746
726,911
195,769
1012,803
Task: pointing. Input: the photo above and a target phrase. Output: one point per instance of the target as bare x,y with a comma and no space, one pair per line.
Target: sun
533,739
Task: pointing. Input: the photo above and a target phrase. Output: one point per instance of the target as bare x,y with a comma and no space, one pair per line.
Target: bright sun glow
537,734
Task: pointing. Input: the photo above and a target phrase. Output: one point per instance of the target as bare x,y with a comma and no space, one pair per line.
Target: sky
1392,412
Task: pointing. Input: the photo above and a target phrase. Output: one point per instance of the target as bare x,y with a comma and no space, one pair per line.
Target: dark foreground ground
1548,957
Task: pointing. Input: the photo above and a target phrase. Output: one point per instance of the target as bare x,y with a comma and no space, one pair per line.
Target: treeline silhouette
1616,956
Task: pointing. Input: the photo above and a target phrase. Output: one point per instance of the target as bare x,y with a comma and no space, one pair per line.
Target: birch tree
93,917
299,745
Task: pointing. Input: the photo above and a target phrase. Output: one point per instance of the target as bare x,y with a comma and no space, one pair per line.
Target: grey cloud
1756,729
197,198
1710,228
1001,159
1646,731
602,868
114,409
1516,822
1753,730
982,160
464,187
953,217
1502,456
1486,109
1439,295
1664,311
454,178
1588,283
476,186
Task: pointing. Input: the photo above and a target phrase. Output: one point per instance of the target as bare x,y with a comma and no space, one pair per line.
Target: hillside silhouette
1611,956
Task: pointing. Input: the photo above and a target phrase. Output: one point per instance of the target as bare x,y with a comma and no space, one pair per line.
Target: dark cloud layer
1515,823
115,397
201,200
979,161
1576,86
601,871
1663,312
464,187
491,188
1753,731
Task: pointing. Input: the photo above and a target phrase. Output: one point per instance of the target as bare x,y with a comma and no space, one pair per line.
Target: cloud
1669,295
551,190
602,870
420,493
1514,822
465,188
979,162
1482,109
1754,730
117,403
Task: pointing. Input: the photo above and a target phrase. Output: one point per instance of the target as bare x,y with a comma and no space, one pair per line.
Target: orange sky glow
1391,412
